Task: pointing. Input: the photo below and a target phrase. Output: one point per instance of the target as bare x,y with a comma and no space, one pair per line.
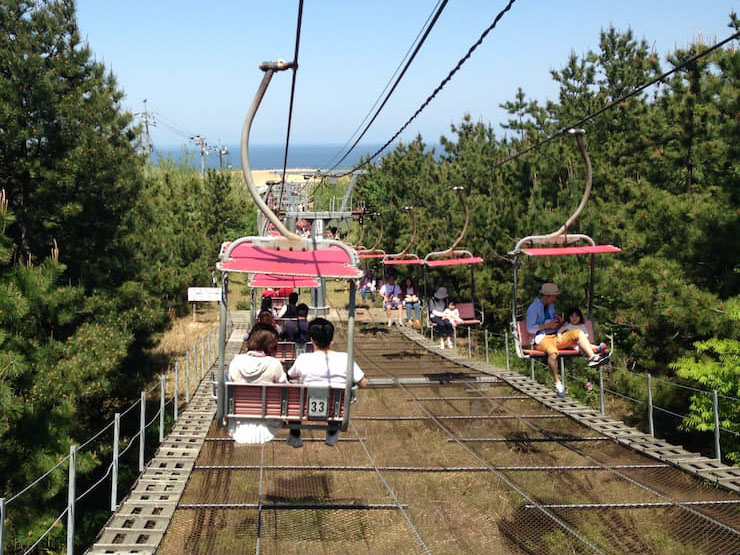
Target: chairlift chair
470,312
559,243
295,406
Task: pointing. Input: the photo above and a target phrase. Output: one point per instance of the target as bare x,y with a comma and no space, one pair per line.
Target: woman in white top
257,365
411,302
323,368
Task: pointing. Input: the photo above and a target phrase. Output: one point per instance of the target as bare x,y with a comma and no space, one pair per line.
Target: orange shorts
550,344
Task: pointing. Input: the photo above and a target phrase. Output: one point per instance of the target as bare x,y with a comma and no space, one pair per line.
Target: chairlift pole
221,390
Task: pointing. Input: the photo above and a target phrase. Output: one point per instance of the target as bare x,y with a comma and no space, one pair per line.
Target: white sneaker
390,323
559,389
449,344
442,344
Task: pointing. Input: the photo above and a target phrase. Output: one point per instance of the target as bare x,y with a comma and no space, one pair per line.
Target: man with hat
543,324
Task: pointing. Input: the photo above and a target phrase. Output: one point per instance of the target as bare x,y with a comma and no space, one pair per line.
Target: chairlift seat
469,315
524,339
289,403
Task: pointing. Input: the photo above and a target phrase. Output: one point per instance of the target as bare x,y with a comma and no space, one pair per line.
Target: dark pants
444,327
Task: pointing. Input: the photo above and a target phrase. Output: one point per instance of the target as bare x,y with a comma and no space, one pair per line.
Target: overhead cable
388,84
619,100
428,30
436,91
292,96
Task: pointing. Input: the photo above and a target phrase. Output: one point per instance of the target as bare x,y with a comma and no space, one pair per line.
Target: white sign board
201,294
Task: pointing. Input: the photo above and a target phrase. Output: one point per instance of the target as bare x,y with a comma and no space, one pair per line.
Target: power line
428,30
619,100
388,84
292,95
436,91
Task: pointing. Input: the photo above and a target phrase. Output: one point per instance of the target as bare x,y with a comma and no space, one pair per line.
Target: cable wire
428,30
292,96
37,480
59,518
388,84
619,100
436,91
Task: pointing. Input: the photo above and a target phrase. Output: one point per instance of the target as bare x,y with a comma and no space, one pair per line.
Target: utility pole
147,119
222,151
201,141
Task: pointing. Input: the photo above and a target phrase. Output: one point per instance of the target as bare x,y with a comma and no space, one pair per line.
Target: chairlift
470,312
560,243
288,254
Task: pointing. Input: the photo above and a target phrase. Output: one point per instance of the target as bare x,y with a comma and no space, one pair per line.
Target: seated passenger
411,302
367,285
452,314
437,307
576,321
323,368
268,318
543,325
391,293
257,365
288,310
297,330
266,306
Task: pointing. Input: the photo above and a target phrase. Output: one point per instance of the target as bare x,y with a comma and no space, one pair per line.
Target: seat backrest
467,311
285,351
524,337
290,402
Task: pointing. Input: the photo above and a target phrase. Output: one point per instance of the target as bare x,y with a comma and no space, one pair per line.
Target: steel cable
436,91
616,102
388,84
59,518
37,480
292,96
428,30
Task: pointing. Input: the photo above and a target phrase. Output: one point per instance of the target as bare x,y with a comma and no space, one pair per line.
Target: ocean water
264,157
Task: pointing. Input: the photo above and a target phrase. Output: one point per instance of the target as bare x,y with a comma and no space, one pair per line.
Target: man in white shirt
324,368
391,293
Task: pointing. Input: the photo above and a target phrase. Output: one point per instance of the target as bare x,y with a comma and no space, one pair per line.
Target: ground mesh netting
445,468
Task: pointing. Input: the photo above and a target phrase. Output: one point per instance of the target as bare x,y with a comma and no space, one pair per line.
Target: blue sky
197,62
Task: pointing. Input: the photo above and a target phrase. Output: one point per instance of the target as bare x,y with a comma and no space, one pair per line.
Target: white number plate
318,404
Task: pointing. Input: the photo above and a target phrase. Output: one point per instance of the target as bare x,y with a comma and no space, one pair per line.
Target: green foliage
716,365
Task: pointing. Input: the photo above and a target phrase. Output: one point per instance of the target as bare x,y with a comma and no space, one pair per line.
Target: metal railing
637,389
196,362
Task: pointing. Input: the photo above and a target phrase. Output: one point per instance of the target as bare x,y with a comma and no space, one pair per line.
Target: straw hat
549,289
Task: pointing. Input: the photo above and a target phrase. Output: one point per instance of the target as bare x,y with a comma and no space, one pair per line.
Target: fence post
2,525
114,470
71,495
531,365
203,360
195,360
650,405
506,347
142,430
715,402
187,376
162,394
177,385
485,339
601,390
470,352
454,335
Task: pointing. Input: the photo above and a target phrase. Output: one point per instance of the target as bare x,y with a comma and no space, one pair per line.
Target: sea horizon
270,156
